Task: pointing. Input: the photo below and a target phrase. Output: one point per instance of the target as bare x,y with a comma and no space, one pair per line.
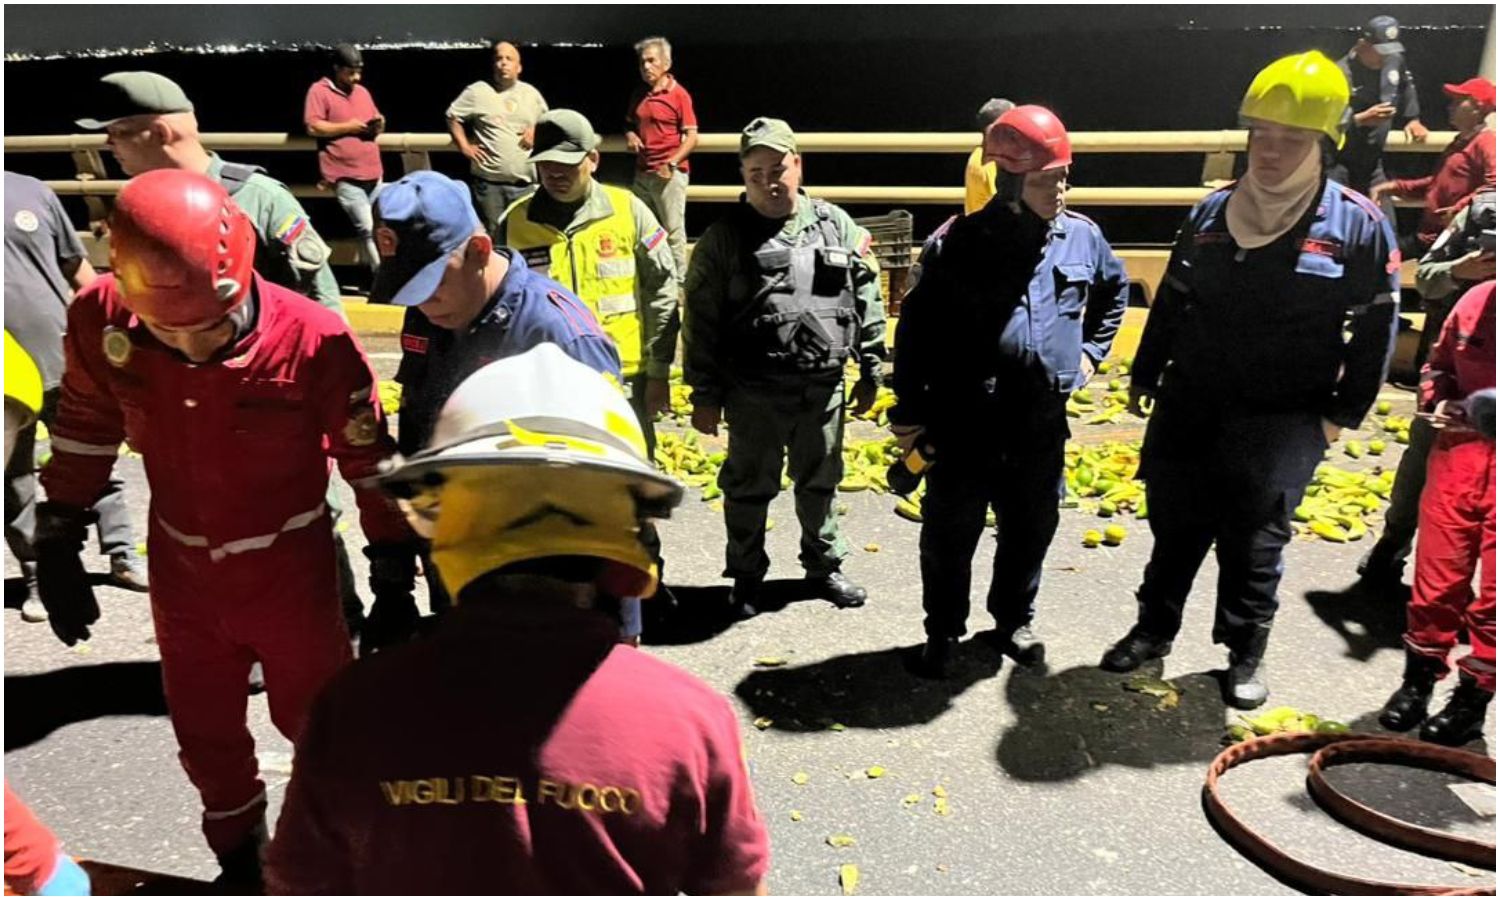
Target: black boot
836,587
936,660
1132,650
239,869
1408,705
745,597
1021,644
1244,683
1463,718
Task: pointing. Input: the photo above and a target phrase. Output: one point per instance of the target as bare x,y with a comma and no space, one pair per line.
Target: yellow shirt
979,182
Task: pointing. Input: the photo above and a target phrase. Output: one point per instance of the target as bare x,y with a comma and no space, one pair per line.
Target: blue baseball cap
419,221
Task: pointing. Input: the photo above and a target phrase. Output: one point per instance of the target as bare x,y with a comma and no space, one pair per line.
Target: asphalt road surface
1057,781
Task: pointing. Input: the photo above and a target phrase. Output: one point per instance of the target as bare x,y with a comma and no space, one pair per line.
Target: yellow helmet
1305,90
535,455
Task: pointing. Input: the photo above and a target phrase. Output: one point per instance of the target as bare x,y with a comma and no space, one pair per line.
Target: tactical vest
597,262
802,315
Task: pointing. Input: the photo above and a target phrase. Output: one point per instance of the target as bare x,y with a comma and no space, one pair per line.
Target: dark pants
1394,546
115,536
1022,483
1247,523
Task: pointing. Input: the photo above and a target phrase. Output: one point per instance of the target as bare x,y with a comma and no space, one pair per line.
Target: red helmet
1028,139
182,251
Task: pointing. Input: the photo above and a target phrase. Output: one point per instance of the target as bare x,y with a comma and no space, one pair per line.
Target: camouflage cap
121,95
765,132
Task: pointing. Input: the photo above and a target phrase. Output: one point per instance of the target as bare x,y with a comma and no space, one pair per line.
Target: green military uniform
289,251
655,276
772,408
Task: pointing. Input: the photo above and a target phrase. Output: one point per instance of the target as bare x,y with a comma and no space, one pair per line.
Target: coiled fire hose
1337,749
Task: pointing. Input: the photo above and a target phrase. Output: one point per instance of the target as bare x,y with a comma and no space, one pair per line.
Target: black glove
61,582
393,617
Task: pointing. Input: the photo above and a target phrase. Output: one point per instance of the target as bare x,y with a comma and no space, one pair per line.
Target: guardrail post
90,166
1218,167
415,160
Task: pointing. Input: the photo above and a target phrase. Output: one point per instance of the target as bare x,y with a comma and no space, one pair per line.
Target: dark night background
833,68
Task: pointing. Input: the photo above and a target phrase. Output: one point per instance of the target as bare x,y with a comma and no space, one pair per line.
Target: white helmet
535,455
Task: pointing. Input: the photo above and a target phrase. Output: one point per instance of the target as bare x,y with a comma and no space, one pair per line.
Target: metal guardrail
415,149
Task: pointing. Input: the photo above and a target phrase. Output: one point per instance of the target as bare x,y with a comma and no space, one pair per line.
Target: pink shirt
660,118
518,753
350,156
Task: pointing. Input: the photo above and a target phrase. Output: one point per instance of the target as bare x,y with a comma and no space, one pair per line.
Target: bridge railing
415,149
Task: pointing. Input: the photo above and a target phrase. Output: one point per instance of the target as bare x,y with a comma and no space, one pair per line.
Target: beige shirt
497,119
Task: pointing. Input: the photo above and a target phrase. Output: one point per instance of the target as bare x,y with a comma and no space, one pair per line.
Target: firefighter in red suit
1456,531
236,392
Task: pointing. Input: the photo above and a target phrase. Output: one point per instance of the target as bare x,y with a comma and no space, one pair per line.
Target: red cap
182,251
1482,90
1028,139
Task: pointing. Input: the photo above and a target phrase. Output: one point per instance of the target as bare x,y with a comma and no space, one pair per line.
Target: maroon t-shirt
660,118
350,156
518,753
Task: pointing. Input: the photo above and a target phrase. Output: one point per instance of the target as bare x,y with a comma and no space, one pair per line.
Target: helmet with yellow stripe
534,456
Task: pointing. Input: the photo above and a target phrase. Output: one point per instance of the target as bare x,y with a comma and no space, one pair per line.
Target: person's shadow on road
37,705
861,690
1367,620
1082,719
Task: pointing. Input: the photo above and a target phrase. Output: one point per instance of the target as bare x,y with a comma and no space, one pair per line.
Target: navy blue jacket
1246,349
1004,307
528,309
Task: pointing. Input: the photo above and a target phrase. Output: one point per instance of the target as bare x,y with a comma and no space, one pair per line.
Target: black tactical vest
802,315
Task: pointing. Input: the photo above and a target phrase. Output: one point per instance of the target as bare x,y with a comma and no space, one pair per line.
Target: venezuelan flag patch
654,239
290,229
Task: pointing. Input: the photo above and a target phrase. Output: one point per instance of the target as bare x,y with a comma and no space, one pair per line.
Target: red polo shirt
350,156
519,750
1466,165
660,118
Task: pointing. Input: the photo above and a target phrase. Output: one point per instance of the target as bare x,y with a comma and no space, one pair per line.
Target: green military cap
120,95
766,132
563,136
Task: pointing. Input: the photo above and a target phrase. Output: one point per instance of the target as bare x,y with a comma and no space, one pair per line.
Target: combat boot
240,868
836,587
936,659
744,597
1244,683
1021,644
1132,650
1462,719
1408,705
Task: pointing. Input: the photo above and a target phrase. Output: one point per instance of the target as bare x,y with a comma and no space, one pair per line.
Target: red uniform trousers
30,849
214,619
1456,534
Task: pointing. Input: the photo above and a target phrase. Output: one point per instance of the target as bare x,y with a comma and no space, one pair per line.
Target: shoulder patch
654,239
290,229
